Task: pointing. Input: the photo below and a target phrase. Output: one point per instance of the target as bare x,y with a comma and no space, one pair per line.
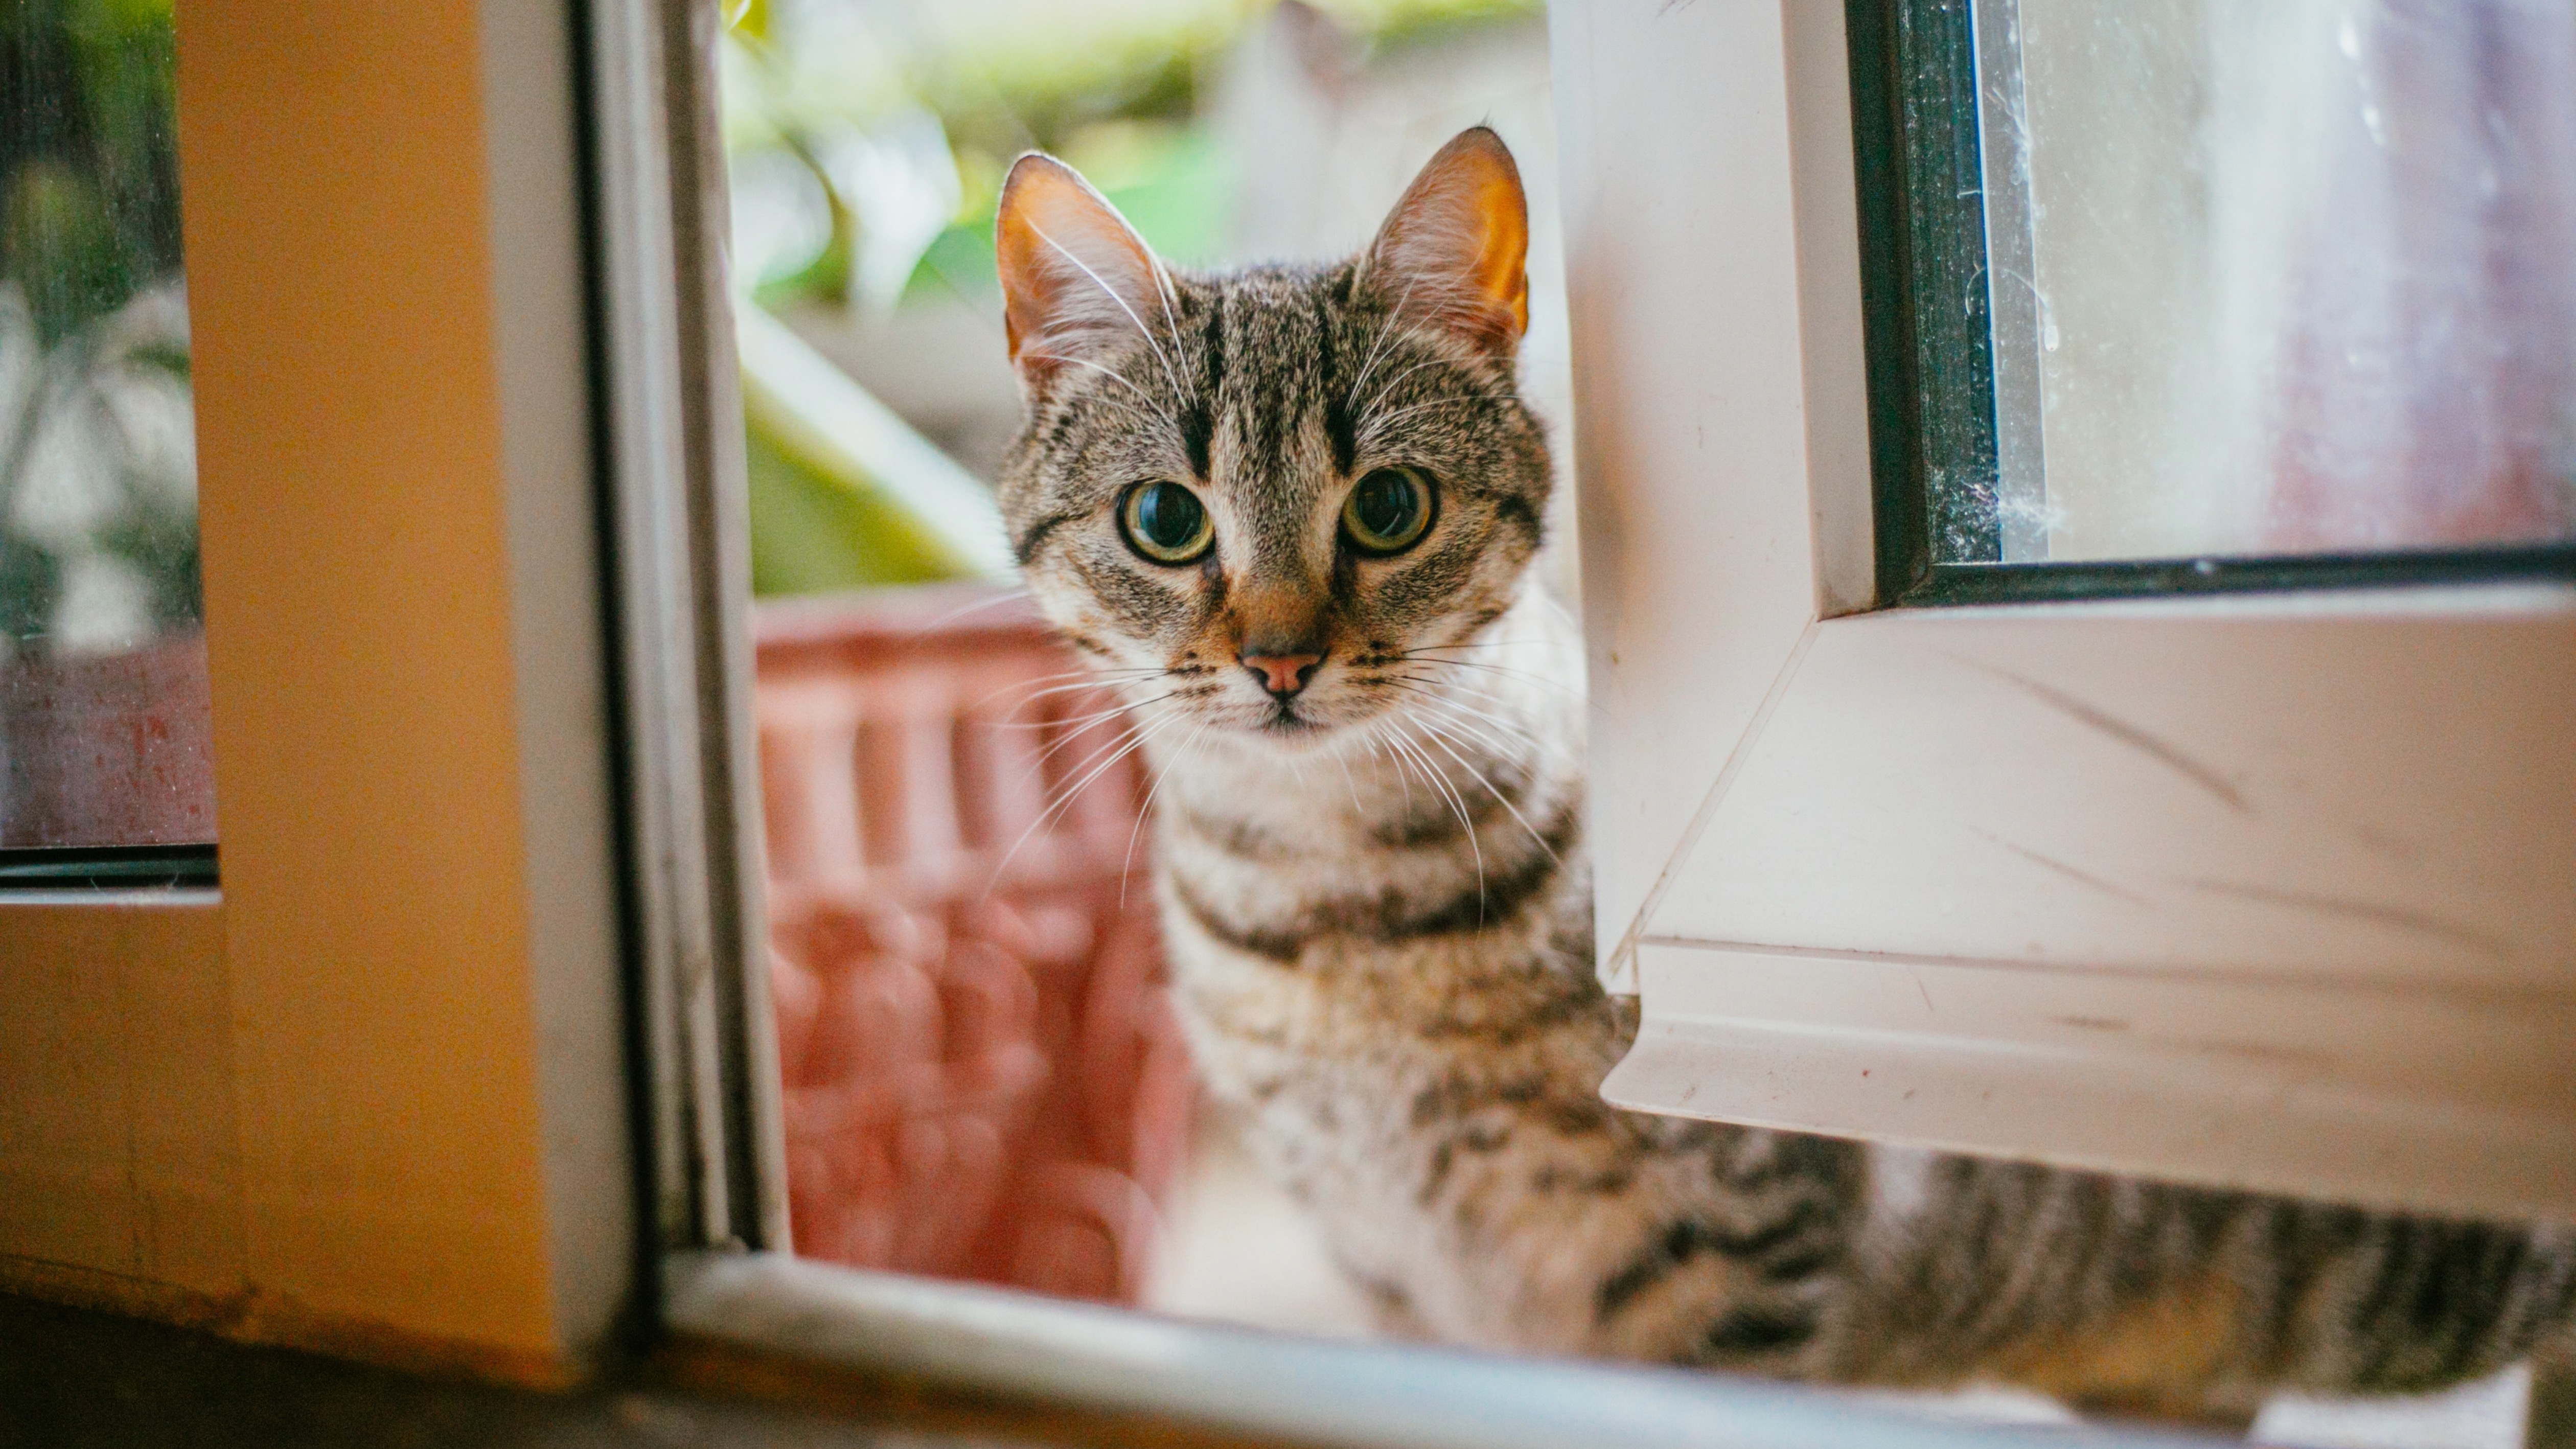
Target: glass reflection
2304,273
102,667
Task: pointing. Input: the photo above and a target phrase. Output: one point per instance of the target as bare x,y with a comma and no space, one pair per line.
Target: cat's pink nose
1282,674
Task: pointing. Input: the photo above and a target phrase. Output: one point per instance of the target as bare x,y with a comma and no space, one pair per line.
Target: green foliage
58,243
1174,185
812,533
89,167
31,579
1113,85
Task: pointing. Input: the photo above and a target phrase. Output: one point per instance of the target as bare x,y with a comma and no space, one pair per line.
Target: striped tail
2407,1304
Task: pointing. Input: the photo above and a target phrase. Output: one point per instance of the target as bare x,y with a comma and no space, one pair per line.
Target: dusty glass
103,701
2280,276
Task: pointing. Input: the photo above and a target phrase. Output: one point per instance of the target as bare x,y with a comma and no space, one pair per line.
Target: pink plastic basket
983,1077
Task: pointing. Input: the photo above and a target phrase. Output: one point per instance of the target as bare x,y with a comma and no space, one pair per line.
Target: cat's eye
1166,523
1388,510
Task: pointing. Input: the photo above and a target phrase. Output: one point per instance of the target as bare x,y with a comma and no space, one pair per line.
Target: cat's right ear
1075,276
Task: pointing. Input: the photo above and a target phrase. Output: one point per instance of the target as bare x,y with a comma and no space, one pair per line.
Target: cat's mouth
1308,719
1295,725
1284,719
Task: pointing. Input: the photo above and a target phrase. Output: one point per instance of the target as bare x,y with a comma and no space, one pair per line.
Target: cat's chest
1355,1059
1257,1026
1334,1090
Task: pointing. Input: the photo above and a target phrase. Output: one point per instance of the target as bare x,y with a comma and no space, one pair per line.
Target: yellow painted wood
368,1100
351,496
117,1137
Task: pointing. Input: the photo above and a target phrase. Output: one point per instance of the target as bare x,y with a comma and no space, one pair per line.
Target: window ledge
985,1343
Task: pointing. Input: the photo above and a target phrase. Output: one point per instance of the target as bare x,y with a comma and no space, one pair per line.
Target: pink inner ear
1075,276
1457,245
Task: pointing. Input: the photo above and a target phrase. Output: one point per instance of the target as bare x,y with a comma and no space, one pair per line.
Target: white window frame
2264,890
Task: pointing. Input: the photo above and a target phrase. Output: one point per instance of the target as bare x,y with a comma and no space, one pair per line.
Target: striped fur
1379,917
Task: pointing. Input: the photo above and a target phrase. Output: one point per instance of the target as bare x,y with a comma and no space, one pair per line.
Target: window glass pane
103,712
2280,276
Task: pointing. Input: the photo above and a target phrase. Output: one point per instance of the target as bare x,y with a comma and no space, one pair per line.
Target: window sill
739,1317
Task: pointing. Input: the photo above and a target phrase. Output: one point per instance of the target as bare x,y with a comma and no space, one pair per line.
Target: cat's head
1274,498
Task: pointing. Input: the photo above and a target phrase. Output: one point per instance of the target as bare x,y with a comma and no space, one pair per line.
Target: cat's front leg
1556,1224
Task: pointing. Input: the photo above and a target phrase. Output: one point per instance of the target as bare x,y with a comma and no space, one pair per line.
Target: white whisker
1389,386
1163,293
1501,749
1014,596
1136,739
1083,731
1127,867
1559,685
1504,800
1379,421
1403,776
1113,375
1457,806
1070,723
1170,373
1443,694
1450,691
1083,679
1357,810
1394,328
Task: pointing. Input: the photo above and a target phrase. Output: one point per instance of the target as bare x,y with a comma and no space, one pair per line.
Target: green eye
1388,510
1166,522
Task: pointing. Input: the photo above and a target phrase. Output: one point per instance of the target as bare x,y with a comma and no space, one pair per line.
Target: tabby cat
1289,512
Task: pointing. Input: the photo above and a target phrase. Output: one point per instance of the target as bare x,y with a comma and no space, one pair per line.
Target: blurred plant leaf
844,493
901,182
89,219
59,242
164,357
31,579
163,545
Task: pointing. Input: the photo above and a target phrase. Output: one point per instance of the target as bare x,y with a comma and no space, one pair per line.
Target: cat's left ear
1455,249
